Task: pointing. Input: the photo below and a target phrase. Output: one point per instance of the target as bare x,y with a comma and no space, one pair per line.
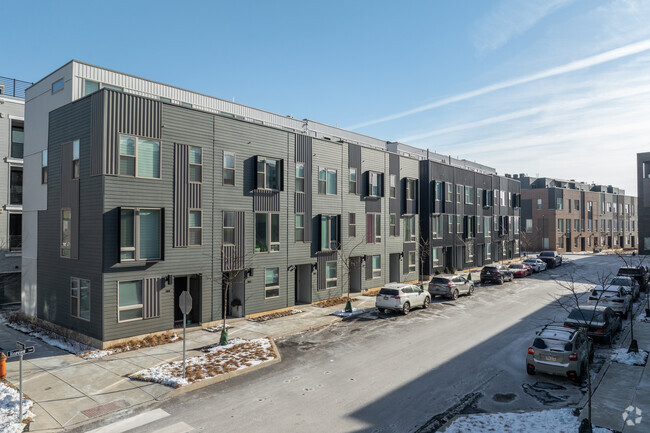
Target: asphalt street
394,373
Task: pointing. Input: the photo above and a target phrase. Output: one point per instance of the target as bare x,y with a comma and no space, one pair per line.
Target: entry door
394,268
582,243
303,284
355,274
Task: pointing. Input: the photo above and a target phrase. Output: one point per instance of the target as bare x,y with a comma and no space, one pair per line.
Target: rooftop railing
13,87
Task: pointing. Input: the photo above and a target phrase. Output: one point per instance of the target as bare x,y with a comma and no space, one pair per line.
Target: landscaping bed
334,301
275,315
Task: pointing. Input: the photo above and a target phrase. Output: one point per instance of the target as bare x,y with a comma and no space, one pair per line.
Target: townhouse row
138,197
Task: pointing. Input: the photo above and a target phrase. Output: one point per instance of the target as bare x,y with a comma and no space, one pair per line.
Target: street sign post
23,350
185,304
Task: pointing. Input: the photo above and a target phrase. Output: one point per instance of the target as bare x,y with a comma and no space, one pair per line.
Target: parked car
551,258
601,322
537,265
614,297
496,274
639,273
560,351
450,286
402,297
629,284
519,270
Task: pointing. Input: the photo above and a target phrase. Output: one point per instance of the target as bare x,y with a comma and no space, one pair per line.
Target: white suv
402,297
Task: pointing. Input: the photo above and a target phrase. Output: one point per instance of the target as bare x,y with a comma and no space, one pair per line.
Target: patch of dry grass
275,315
334,301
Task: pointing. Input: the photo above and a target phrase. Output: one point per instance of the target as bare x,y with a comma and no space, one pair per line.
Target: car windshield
629,271
587,315
546,254
389,292
490,268
556,334
622,282
530,261
439,280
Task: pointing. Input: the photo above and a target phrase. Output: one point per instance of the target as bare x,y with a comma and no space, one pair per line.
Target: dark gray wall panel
303,201
98,129
70,197
323,258
354,161
233,256
266,201
407,248
186,195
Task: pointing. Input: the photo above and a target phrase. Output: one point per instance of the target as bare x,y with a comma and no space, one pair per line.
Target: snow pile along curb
9,405
555,420
633,358
218,360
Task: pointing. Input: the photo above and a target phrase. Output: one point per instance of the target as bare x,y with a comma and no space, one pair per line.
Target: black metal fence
13,87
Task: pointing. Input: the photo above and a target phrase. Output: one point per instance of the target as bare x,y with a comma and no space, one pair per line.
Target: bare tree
350,263
527,239
423,252
233,270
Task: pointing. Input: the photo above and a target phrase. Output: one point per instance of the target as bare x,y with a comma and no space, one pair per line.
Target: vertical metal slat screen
151,297
181,202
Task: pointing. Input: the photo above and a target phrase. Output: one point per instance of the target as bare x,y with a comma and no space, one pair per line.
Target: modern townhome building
571,216
12,134
643,190
143,190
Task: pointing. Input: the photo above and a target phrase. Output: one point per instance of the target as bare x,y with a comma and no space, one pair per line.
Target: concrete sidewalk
68,390
624,385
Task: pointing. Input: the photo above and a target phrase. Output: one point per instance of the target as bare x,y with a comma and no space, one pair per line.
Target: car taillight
397,297
450,285
599,331
573,357
531,351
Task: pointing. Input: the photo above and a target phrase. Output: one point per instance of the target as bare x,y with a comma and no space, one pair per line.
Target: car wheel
471,290
530,370
501,280
454,294
427,301
381,310
406,308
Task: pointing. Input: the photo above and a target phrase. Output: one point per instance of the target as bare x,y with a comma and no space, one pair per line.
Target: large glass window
438,189
352,184
411,261
393,186
411,189
228,168
17,139
436,226
140,234
300,177
129,300
376,266
300,227
75,159
469,195
271,282
375,184
268,173
409,228
16,186
352,225
228,228
331,279
329,232
139,157
436,253
267,232
66,232
80,298
196,227
326,181
196,164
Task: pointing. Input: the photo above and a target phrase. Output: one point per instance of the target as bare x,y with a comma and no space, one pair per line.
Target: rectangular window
450,224
469,250
576,204
66,232
488,251
459,193
438,189
44,167
228,228
15,232
529,225
229,168
140,234
196,230
590,206
435,255
560,241
469,195
57,86
196,164
411,189
268,173
267,232
163,99
488,225
92,86
300,227
559,203
80,298
331,280
409,228
459,224
329,232
450,192
130,305
17,139
393,186
545,243
479,196
576,225
503,198
376,266
16,186
436,226
352,182
374,189
393,225
560,225
515,224
377,228
326,181
412,261
352,225
139,157
539,204
75,159
300,177
590,225
271,283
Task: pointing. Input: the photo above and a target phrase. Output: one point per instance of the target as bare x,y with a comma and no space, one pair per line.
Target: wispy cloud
588,62
509,19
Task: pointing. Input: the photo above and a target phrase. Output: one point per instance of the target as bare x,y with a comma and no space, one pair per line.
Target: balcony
13,87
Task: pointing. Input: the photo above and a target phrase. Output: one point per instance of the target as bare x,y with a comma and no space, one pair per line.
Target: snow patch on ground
9,404
556,421
355,312
217,360
217,328
623,357
51,338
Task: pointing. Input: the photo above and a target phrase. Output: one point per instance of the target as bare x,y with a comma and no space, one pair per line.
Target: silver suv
450,286
401,297
560,351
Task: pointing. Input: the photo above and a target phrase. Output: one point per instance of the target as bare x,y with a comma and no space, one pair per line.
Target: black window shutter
338,232
380,177
119,234
404,182
366,181
319,247
162,234
255,182
417,196
281,174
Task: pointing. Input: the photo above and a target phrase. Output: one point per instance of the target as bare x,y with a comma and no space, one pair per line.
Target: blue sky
551,87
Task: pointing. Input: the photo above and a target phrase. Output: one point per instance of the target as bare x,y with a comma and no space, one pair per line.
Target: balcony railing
13,87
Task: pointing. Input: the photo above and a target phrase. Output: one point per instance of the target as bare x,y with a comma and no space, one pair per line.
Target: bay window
329,232
268,173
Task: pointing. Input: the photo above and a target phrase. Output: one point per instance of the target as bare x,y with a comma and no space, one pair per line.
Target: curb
202,384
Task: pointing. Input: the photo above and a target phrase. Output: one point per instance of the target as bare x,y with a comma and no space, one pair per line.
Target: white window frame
412,261
130,307
355,182
411,189
224,227
135,157
436,196
376,272
392,225
233,169
374,183
300,229
352,225
190,228
469,195
436,227
330,280
460,191
392,186
450,223
410,220
326,181
300,190
200,165
77,299
450,193
273,287
436,252
136,235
